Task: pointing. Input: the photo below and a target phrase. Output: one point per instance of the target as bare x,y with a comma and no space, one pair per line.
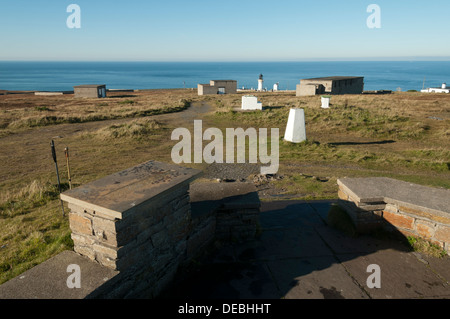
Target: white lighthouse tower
260,83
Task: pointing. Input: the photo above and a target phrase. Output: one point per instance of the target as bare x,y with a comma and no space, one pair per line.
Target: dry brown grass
394,135
20,111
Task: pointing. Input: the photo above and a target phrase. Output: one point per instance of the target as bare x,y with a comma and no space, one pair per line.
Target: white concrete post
295,129
326,101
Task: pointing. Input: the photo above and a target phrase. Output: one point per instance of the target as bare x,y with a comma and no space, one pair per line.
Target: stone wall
413,210
140,222
414,222
230,87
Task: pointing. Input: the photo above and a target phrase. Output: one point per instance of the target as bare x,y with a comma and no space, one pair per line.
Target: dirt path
27,152
46,133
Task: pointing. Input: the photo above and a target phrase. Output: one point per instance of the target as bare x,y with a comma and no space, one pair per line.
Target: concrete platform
298,256
116,195
391,191
49,280
207,197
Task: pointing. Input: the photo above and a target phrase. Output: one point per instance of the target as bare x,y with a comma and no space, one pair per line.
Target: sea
62,76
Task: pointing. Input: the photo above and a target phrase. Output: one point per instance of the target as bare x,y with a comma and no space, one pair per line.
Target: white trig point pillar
295,129
326,101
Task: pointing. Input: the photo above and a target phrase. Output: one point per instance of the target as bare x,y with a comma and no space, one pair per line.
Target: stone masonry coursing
151,232
411,219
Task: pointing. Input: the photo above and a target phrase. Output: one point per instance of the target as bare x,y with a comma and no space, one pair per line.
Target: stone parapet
412,209
145,223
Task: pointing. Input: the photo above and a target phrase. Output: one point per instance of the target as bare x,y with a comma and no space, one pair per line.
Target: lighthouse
260,83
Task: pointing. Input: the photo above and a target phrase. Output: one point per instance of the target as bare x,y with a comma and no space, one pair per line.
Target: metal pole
57,173
66,152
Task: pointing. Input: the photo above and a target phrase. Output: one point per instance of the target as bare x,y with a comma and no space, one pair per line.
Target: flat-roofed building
331,85
90,90
442,89
218,87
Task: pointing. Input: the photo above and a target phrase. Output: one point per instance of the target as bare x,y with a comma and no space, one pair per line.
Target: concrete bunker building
331,85
218,87
90,90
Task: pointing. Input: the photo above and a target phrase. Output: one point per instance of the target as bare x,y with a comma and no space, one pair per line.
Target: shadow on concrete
272,107
121,96
363,143
297,255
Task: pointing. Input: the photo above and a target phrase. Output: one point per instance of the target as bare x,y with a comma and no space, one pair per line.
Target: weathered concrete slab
49,280
440,266
282,244
226,281
341,243
334,266
391,191
288,214
402,275
322,207
314,278
230,195
117,194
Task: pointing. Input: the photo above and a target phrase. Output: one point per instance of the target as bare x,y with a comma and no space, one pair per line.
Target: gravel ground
250,173
231,172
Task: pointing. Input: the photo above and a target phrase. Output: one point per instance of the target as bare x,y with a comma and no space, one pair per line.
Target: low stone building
90,91
331,85
218,87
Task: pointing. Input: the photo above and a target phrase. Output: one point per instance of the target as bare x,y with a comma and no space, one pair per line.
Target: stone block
407,233
137,258
391,208
146,234
110,252
421,213
425,229
342,195
442,233
89,211
80,224
82,240
108,225
85,251
399,220
106,237
161,239
200,238
106,261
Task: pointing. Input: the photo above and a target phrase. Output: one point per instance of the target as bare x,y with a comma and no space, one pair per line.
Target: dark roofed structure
331,85
90,90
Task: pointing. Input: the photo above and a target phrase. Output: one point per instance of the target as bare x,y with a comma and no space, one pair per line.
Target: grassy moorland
24,111
403,135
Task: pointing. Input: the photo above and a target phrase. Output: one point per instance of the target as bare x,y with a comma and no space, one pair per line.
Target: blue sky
208,30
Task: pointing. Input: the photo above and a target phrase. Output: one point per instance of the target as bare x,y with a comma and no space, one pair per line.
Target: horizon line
351,59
